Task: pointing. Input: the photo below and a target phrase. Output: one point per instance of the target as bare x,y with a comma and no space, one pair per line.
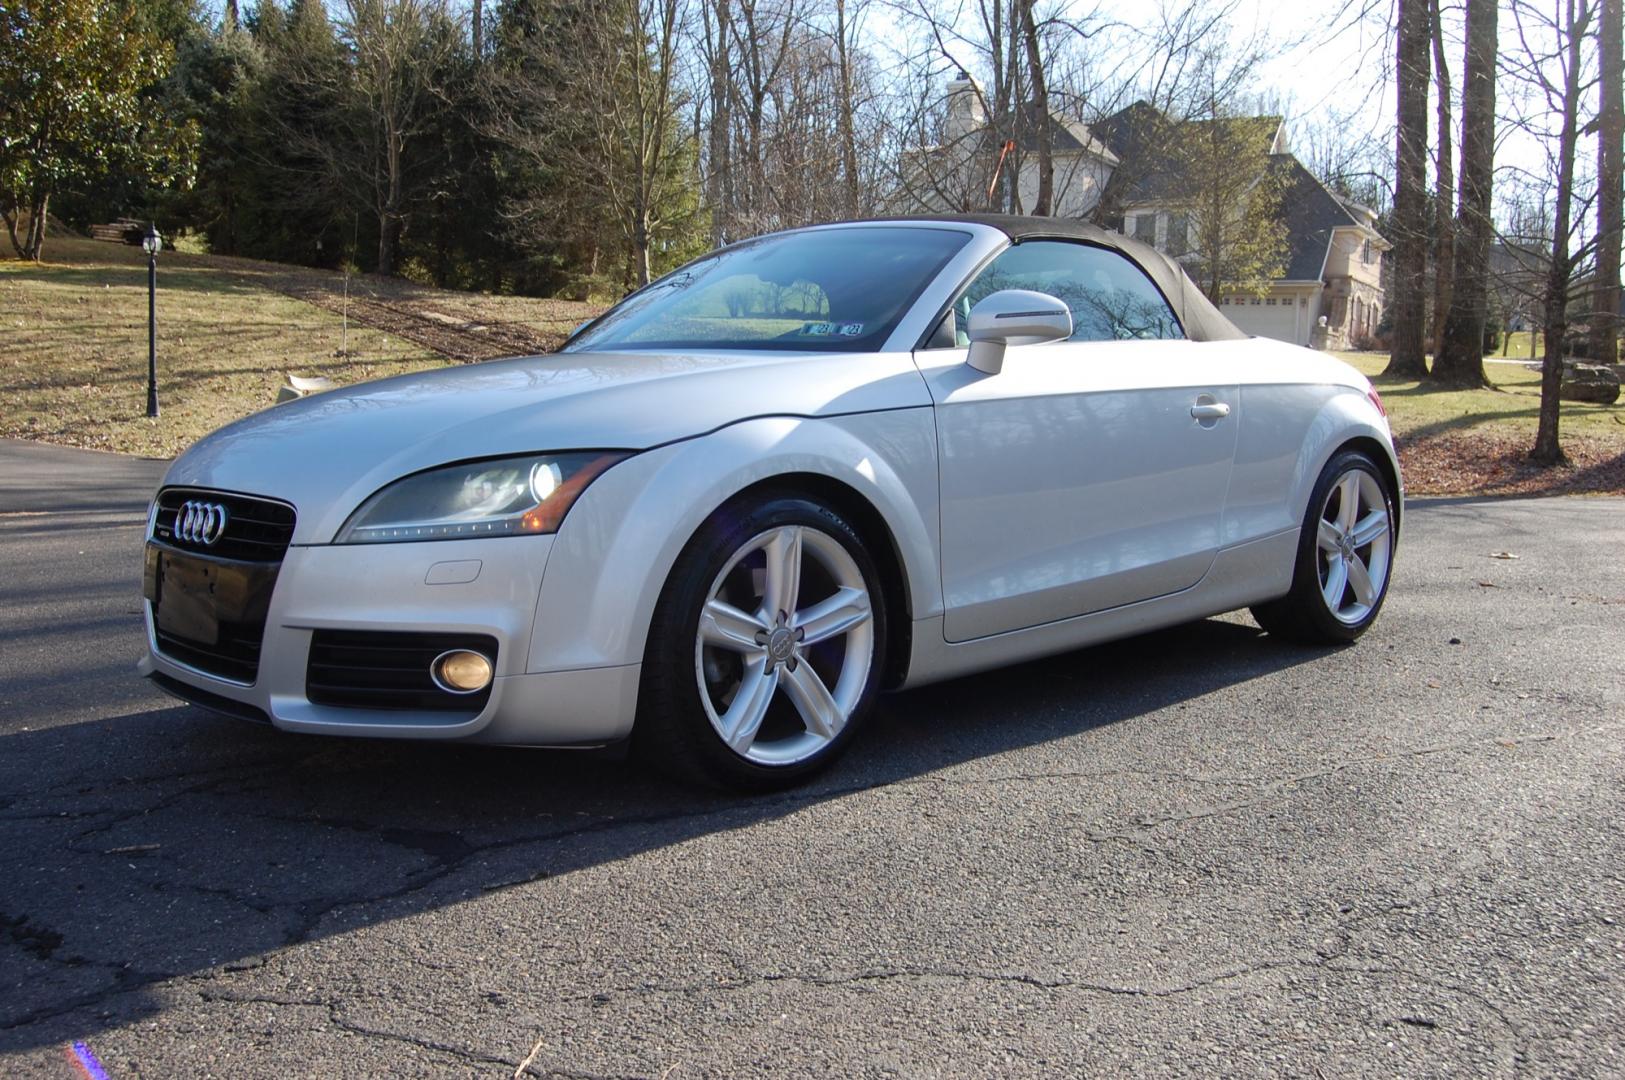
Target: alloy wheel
785,645
1353,545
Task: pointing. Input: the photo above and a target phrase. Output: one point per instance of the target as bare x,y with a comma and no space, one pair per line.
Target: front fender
611,558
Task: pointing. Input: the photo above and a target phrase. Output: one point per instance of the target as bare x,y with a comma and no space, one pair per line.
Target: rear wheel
1345,554
765,650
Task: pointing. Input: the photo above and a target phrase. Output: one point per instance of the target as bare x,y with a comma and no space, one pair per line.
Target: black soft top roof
1201,320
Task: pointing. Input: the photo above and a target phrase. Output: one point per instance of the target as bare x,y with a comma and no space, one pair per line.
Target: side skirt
1246,574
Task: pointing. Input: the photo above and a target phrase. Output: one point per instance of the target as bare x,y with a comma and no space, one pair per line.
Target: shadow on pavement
168,843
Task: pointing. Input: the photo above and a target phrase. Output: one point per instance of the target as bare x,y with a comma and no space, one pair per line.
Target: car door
1078,478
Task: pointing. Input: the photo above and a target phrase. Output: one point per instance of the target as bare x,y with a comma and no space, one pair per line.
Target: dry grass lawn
73,340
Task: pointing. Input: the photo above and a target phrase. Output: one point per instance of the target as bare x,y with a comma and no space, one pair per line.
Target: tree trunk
389,217
10,215
847,107
1046,142
640,251
1444,233
1611,184
1460,360
1406,359
1547,449
34,245
386,244
719,152
477,23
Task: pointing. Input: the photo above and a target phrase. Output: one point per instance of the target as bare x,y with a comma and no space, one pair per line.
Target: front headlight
519,496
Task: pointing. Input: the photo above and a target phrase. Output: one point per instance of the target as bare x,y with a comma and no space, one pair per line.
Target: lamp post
152,243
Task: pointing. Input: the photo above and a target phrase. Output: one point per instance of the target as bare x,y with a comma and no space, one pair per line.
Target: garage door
1265,320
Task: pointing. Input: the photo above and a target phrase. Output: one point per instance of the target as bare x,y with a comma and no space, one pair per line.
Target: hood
326,453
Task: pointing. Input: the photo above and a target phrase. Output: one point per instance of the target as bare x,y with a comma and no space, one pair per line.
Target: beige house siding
1356,255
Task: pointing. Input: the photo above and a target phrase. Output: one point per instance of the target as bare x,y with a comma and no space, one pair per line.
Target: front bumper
467,586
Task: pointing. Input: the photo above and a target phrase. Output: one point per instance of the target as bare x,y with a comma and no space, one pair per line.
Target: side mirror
1013,317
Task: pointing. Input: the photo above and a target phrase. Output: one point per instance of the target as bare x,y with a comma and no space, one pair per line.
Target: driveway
1197,852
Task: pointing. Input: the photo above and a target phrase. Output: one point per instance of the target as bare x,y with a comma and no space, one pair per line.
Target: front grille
389,670
257,530
217,624
236,656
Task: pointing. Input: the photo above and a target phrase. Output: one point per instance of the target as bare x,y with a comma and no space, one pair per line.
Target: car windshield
827,289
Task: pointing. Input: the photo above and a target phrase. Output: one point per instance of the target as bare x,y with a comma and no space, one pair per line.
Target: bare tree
1042,133
847,106
1460,357
1551,67
1610,182
1444,231
1407,358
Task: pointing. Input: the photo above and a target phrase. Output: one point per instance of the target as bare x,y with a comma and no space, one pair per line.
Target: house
955,176
1118,172
1333,269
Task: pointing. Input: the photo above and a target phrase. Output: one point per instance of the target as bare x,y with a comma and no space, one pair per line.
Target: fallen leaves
1497,463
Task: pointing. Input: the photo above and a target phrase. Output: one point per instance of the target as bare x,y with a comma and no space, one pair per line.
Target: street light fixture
152,244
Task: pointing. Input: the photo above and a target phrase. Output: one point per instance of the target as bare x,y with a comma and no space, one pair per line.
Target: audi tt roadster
797,472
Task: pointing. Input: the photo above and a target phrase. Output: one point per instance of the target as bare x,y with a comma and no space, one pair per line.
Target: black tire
673,732
1303,614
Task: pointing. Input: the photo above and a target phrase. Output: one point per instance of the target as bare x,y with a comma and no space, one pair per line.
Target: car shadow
167,842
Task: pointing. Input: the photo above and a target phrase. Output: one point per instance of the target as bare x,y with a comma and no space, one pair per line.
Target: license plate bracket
193,596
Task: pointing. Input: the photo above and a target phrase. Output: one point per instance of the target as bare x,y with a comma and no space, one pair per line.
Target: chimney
965,112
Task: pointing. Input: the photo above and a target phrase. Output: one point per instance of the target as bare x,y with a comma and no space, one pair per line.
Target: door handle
1210,410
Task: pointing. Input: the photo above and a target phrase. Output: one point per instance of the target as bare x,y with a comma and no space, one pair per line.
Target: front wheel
765,650
1345,555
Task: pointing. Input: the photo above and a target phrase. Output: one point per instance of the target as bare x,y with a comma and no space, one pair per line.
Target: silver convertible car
796,472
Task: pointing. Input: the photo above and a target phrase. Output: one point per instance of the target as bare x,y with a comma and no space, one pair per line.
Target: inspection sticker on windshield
826,329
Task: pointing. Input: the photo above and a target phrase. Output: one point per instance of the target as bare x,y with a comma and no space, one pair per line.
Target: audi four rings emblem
200,522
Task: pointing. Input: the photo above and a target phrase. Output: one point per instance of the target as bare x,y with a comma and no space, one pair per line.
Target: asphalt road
1196,852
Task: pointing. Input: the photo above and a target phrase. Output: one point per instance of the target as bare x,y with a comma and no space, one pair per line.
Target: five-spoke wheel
1354,539
788,617
1345,553
782,612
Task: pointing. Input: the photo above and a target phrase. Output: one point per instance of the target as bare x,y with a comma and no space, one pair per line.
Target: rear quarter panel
1298,407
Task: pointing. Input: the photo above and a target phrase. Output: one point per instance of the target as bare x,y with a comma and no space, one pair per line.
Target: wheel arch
1384,458
1346,420
877,536
615,552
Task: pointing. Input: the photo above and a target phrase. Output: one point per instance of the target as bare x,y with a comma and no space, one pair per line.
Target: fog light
461,671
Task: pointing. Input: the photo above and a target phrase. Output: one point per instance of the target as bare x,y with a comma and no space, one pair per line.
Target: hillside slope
73,355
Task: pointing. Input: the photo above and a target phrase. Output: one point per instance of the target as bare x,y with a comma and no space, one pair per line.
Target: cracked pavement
1195,852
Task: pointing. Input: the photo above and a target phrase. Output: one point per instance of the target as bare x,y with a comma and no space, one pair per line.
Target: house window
1365,253
1270,302
1255,301
1179,234
1145,229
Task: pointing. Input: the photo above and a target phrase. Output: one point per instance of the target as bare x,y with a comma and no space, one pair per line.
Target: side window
1111,298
